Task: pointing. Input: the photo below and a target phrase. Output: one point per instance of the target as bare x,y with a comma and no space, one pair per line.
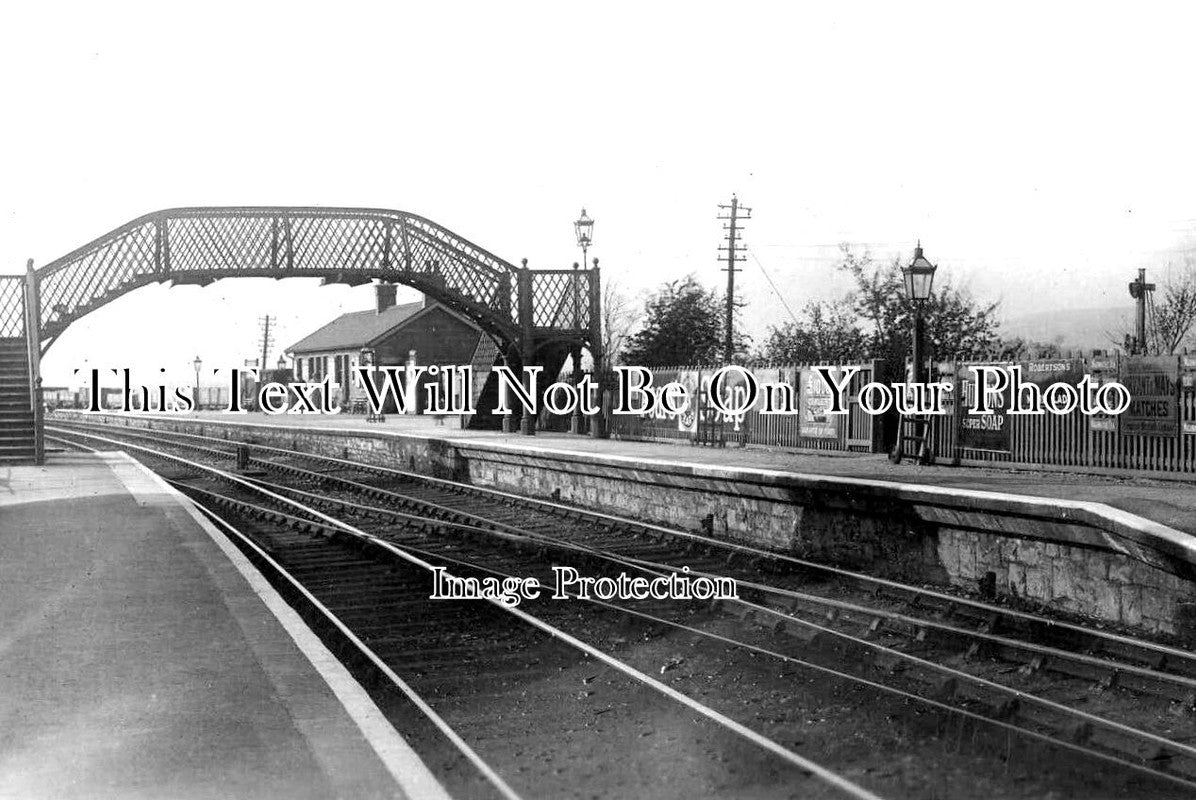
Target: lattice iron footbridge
534,316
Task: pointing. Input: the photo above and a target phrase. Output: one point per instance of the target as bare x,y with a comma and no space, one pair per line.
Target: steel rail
949,672
986,609
332,619
824,774
896,691
1015,694
653,567
1155,675
1037,655
830,671
1042,656
459,743
1185,684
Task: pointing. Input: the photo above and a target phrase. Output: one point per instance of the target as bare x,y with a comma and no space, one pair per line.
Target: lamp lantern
198,364
919,277
584,227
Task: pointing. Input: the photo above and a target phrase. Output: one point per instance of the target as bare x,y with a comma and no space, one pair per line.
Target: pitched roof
356,329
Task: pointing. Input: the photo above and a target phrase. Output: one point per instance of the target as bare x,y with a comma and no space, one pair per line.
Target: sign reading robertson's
1034,379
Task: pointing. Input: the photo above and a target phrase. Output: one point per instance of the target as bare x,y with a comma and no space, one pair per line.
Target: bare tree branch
619,317
1175,314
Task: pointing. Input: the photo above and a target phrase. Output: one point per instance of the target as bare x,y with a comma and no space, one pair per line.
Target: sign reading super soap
989,431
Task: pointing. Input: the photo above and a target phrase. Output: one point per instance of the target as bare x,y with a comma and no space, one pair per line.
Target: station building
424,332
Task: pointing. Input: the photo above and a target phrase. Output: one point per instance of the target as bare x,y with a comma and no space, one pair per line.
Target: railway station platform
143,657
1168,502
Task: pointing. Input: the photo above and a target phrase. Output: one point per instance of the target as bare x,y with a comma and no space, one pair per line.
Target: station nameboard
1153,383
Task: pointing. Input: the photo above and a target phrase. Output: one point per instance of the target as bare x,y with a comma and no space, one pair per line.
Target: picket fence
807,429
1156,435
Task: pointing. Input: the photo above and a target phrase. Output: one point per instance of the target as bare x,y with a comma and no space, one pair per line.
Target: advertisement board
983,432
1153,383
691,380
814,405
1103,369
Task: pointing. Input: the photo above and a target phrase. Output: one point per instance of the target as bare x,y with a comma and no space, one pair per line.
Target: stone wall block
1038,583
1131,604
1015,580
1121,571
967,561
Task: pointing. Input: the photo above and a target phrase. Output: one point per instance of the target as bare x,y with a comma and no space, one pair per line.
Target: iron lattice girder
561,300
12,306
346,245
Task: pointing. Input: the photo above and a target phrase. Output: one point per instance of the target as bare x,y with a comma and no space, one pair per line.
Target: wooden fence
809,427
1156,434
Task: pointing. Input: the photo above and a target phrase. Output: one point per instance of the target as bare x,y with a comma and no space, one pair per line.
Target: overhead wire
775,290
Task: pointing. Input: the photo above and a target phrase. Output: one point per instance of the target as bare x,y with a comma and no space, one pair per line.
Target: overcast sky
1041,153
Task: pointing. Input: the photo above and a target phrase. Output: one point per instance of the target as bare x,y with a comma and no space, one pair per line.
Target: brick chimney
384,293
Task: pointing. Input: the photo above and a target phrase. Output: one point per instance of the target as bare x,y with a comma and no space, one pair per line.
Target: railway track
377,593
901,656
1042,642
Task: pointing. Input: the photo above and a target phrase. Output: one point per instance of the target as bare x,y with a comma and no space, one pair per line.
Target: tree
1170,316
1175,314
954,322
1018,348
828,332
619,317
683,324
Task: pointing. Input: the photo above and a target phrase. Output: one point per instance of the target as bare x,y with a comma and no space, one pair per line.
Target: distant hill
1077,328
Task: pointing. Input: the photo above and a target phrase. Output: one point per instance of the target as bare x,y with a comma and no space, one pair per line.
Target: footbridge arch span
517,306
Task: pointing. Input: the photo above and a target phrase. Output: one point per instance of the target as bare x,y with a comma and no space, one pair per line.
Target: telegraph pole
265,322
733,250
